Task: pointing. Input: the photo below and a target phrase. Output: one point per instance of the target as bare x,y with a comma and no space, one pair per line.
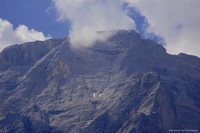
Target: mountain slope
126,84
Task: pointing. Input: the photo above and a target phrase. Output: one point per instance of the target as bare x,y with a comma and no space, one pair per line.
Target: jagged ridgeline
124,85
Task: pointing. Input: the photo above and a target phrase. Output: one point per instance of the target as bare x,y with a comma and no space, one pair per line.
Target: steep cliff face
126,84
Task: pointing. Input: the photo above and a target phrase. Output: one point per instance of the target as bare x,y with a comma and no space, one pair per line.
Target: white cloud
21,34
89,16
176,21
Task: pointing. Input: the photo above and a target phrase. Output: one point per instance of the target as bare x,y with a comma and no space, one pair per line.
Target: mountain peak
125,84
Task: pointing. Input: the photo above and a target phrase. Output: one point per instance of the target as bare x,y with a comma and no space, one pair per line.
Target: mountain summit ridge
126,84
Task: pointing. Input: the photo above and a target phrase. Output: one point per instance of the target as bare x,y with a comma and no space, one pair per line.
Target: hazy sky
172,23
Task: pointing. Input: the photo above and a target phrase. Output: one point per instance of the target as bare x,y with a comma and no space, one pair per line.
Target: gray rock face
124,85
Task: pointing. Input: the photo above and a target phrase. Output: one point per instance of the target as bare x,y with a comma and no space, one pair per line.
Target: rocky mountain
124,85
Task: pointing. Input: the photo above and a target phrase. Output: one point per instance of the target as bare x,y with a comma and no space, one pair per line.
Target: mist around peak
88,17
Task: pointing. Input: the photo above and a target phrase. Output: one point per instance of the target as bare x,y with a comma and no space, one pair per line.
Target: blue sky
176,24
35,15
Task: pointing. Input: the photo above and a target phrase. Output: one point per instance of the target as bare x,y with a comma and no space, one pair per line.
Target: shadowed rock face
126,84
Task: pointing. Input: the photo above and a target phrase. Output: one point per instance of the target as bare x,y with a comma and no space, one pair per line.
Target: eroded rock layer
124,85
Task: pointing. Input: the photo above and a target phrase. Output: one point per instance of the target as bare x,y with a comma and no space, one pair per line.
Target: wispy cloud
177,22
21,34
89,16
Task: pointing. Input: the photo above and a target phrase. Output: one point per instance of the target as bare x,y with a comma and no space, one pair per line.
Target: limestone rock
126,84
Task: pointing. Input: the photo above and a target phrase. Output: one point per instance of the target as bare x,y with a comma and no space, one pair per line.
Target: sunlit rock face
126,84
